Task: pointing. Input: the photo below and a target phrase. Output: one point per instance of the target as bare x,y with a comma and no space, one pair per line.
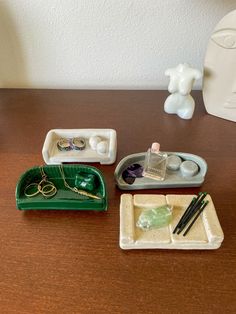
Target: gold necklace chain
74,189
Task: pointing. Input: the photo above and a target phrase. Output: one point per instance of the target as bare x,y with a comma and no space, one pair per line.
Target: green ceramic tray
64,198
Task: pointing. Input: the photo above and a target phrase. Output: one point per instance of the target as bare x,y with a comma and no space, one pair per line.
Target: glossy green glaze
64,199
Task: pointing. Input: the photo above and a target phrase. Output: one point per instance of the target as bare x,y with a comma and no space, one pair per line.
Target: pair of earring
44,187
96,143
66,144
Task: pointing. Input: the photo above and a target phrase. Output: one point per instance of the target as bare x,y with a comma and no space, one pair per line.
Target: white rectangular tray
206,233
52,155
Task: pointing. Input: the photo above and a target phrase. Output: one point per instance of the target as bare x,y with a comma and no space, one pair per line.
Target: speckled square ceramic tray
52,155
206,233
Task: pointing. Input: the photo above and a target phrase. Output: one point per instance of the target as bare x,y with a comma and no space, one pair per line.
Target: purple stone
132,172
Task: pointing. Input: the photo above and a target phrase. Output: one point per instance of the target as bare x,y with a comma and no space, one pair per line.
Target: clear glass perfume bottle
155,163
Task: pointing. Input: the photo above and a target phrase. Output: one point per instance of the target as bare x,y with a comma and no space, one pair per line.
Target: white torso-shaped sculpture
181,82
219,82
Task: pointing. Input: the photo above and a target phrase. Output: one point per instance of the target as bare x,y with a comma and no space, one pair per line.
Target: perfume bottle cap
155,147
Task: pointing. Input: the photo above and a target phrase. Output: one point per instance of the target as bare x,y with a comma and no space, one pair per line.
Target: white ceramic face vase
219,82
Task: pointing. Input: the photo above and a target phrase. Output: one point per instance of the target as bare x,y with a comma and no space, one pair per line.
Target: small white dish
52,155
206,233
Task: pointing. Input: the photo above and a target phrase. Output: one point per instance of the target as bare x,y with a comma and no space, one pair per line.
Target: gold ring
44,189
29,187
48,192
46,182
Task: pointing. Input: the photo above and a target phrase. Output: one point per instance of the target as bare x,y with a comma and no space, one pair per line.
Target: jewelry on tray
74,189
45,187
67,144
64,144
78,143
33,187
44,184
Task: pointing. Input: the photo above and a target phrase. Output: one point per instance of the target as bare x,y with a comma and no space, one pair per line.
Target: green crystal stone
155,218
85,182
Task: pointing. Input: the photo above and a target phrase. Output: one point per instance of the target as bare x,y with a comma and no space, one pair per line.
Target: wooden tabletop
70,261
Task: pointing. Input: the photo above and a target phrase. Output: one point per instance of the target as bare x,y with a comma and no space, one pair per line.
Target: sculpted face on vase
219,83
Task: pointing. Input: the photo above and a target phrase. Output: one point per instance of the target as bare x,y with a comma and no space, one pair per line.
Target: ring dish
51,193
173,178
80,145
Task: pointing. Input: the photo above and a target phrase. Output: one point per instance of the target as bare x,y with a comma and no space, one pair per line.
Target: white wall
102,43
